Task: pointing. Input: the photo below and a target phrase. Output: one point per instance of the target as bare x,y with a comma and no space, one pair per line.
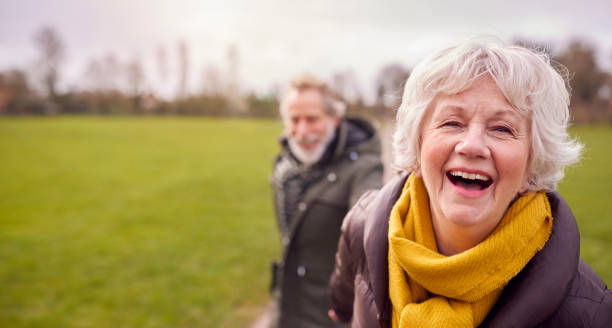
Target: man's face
307,126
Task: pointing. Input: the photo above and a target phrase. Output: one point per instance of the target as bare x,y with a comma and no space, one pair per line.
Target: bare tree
212,82
587,77
163,70
103,74
162,62
236,101
15,93
94,74
183,56
135,77
346,84
51,49
389,84
587,80
232,64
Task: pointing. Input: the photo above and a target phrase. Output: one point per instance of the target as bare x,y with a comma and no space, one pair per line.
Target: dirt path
263,321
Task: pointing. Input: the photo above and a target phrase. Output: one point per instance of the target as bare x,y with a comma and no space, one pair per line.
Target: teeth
471,176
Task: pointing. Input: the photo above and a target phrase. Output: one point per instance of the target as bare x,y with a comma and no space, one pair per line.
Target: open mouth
469,181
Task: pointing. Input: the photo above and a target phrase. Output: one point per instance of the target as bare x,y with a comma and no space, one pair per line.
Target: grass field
167,222
130,222
587,188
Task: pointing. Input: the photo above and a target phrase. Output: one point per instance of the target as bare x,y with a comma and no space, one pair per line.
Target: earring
525,187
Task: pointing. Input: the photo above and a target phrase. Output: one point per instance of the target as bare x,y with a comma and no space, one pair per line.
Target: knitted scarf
428,289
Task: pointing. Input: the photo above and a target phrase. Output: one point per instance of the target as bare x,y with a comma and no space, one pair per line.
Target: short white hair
332,103
527,79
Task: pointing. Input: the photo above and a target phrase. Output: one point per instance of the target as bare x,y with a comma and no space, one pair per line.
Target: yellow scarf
428,289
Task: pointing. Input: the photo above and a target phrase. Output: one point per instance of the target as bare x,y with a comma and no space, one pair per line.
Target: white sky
278,39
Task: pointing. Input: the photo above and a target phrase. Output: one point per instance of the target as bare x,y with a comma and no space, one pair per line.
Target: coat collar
376,245
540,288
529,298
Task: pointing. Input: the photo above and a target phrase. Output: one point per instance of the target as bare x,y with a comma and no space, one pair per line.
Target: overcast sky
278,39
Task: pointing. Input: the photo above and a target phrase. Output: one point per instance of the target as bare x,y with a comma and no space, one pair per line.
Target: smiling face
307,126
474,156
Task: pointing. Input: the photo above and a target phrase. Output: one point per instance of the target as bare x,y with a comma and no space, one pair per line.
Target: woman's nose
473,143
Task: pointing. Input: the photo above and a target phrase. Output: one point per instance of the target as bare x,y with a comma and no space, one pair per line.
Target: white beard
307,157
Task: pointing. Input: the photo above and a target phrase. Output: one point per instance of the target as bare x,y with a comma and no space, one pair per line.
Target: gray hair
333,105
527,79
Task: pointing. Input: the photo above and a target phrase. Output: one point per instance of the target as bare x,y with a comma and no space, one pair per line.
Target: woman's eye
503,129
451,124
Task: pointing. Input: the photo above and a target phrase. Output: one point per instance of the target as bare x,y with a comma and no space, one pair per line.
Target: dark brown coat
555,289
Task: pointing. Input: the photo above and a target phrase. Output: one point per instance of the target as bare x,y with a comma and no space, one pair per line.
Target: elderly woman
475,235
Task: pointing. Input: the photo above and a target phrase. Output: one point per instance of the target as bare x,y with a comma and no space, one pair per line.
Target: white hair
309,158
527,79
332,103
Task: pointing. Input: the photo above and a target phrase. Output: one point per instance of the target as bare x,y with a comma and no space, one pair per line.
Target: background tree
232,69
346,84
586,76
237,104
183,58
135,78
103,79
51,49
16,95
389,85
163,69
162,63
212,81
587,81
103,74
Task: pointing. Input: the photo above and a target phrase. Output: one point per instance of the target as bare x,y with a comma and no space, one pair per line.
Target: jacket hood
356,134
352,134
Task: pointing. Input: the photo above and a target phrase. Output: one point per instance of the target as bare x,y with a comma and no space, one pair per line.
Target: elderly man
326,162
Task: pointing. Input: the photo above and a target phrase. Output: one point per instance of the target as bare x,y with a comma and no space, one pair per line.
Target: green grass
168,222
587,187
131,222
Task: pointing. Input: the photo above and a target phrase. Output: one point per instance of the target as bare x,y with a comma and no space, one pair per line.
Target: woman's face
474,155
